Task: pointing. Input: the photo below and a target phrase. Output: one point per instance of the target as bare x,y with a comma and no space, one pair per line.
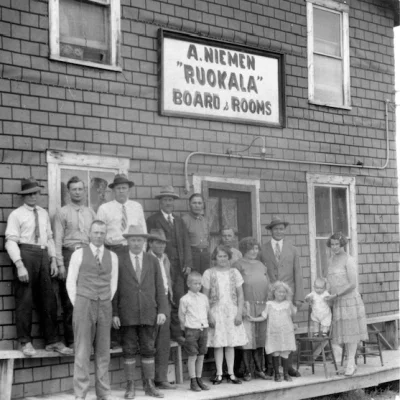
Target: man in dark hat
30,245
157,242
177,249
138,306
282,261
118,214
71,232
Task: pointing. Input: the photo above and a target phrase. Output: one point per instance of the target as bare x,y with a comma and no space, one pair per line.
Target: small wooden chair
312,344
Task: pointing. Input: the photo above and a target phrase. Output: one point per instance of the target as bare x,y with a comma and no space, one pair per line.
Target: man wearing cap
30,245
91,284
138,306
177,249
157,242
198,227
119,213
282,261
71,232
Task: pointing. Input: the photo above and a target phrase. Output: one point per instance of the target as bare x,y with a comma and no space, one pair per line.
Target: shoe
61,348
234,380
350,370
270,372
316,334
324,335
247,376
293,372
201,384
217,380
260,374
278,378
194,386
72,346
151,390
28,349
285,365
165,385
130,390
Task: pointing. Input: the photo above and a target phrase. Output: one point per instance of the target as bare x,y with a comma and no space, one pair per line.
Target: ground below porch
308,386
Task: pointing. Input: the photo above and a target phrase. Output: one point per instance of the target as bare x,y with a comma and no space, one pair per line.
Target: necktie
277,252
37,230
81,221
98,262
171,223
137,268
124,219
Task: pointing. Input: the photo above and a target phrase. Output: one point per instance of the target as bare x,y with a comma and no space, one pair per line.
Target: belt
75,247
32,246
200,249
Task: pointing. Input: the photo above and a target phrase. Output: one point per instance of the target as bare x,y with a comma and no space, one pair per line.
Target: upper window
328,53
85,32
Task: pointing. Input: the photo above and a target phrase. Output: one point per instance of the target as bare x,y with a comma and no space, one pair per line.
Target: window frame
343,10
115,35
347,182
58,160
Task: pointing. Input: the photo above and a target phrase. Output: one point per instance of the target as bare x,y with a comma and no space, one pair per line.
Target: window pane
340,212
99,192
327,32
229,213
323,253
328,80
322,211
212,212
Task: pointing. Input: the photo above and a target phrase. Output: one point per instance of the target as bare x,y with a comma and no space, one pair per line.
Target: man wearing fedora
71,232
157,242
177,249
282,261
138,306
30,245
91,284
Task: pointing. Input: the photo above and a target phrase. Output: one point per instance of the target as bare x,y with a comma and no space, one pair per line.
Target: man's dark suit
180,256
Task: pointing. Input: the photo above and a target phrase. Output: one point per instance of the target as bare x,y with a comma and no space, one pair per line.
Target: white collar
133,256
94,248
166,215
274,242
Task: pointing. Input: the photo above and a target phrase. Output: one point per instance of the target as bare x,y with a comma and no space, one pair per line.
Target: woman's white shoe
350,370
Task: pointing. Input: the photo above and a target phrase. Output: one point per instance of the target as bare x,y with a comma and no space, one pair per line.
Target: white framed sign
213,80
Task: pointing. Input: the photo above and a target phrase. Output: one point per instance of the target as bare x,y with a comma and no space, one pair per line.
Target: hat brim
112,185
151,237
270,226
31,190
161,195
128,235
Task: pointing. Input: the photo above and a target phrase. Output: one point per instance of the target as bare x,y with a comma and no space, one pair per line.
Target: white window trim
344,10
251,183
58,160
115,29
331,180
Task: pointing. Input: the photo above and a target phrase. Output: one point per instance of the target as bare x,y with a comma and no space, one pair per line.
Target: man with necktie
71,232
139,305
157,242
91,284
177,249
30,245
283,264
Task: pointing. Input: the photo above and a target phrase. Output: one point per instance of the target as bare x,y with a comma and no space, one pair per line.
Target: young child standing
280,340
321,314
193,316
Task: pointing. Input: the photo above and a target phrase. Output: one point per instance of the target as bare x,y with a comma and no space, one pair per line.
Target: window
85,32
331,209
328,53
96,171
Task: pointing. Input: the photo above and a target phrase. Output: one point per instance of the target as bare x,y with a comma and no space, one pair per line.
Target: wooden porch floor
308,386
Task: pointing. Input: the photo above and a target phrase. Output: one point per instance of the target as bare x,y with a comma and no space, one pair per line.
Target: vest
94,282
173,243
214,295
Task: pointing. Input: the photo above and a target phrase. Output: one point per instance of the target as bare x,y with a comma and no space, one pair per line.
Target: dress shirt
193,310
133,260
274,242
162,268
21,230
166,216
67,232
198,228
75,265
111,214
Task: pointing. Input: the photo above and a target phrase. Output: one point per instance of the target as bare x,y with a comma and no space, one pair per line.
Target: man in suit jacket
138,306
282,261
157,243
178,251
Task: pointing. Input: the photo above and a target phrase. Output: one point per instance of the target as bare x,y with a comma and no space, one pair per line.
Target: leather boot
247,365
286,375
258,356
194,386
130,390
291,370
151,390
201,384
270,366
275,362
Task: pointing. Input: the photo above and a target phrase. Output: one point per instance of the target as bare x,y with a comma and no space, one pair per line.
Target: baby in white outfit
321,314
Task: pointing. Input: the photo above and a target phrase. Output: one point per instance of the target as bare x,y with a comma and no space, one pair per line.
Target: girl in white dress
280,340
223,287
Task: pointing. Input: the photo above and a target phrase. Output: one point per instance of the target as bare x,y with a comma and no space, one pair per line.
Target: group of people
123,278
